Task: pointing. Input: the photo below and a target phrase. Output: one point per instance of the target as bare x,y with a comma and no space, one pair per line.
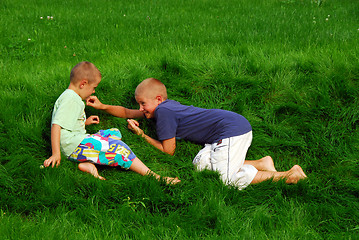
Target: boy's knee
203,159
81,166
243,177
85,167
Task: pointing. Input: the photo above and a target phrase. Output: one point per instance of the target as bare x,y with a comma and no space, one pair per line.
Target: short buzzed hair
84,70
151,87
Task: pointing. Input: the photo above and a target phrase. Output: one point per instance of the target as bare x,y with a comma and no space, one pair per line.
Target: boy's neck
74,88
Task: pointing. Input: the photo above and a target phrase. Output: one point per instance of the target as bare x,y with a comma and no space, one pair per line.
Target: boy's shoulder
69,97
171,105
168,108
167,103
69,94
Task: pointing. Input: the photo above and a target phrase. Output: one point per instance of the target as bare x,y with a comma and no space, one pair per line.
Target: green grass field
291,67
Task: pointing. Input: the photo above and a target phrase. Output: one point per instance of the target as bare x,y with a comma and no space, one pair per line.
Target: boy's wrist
57,155
102,107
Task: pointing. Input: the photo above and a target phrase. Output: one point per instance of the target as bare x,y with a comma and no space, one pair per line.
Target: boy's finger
134,125
133,122
130,125
91,100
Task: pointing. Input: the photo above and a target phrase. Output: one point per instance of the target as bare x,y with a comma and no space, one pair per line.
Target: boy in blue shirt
68,133
226,137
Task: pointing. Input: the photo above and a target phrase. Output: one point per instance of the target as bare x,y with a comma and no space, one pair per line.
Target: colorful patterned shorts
104,148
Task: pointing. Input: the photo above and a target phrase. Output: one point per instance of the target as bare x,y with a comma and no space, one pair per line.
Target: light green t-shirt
69,113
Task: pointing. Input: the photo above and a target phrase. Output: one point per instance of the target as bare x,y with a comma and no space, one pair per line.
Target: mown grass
290,66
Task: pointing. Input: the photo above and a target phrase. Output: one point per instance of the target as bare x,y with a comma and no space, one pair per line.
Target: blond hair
84,70
151,88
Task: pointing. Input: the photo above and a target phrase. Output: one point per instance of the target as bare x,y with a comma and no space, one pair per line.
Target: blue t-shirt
197,125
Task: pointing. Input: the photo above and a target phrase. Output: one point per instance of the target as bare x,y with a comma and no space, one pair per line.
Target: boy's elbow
169,151
169,146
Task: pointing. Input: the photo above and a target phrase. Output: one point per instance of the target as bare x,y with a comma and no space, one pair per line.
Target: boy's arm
117,111
55,159
167,146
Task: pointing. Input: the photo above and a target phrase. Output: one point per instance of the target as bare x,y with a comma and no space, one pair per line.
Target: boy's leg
228,158
90,168
292,176
203,158
106,148
264,164
139,167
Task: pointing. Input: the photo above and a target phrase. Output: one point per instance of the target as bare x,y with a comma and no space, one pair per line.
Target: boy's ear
159,98
83,82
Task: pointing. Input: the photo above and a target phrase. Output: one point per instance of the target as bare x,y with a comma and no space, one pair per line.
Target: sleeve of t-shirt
166,123
67,114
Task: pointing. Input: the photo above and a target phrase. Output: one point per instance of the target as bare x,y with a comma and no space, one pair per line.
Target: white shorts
227,157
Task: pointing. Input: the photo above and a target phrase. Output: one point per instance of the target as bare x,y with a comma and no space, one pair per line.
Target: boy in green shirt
68,133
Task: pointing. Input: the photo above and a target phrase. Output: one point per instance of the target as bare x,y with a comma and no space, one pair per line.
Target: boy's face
89,88
148,105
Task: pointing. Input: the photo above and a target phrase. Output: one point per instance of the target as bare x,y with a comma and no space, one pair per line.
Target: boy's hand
54,160
133,126
93,101
92,120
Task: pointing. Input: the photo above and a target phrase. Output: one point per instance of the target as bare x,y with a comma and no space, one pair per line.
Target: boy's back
70,115
197,124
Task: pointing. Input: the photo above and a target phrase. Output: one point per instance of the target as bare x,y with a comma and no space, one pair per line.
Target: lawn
291,67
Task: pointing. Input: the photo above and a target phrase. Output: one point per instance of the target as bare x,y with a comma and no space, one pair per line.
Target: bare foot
100,177
264,164
96,175
268,164
295,174
90,168
173,181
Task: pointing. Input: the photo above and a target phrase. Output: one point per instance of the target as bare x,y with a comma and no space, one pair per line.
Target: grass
289,66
